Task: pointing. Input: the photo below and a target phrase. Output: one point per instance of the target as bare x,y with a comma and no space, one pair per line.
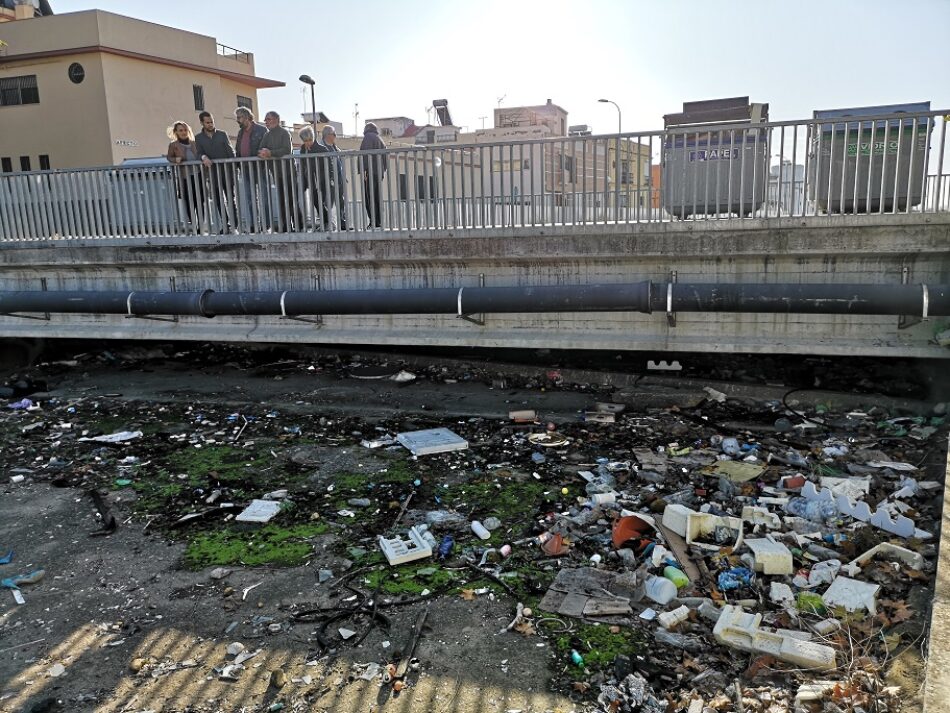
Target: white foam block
433,440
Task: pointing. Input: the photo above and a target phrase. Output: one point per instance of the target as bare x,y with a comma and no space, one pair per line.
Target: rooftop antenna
501,99
483,120
356,119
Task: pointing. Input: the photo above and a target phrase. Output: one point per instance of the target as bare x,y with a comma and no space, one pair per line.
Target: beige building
93,88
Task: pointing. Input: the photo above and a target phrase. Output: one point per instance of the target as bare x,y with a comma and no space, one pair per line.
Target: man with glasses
276,144
331,176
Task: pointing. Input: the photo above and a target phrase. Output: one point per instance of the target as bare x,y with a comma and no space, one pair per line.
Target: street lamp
306,79
619,122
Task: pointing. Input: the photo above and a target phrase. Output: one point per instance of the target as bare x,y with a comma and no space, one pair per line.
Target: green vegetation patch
270,545
410,579
509,500
598,646
224,463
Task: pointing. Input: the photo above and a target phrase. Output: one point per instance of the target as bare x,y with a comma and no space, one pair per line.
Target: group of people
322,176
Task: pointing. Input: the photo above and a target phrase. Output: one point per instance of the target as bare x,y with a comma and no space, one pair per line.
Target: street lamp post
618,159
306,79
619,121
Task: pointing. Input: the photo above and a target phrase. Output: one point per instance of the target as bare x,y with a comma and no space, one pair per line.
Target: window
403,187
6,164
25,163
246,102
199,92
421,192
386,131
44,162
567,163
19,90
76,73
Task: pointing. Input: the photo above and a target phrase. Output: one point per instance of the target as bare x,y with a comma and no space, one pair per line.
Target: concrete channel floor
110,603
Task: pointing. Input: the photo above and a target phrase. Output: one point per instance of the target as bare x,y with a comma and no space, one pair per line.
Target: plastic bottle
730,446
660,590
676,576
688,643
479,529
603,498
576,658
448,542
814,510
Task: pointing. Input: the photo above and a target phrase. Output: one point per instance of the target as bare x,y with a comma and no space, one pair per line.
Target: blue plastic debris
15,582
735,578
8,559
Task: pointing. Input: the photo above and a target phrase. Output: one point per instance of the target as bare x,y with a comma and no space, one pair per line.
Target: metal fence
872,165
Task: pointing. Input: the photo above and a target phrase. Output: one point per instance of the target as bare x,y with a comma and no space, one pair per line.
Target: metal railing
872,165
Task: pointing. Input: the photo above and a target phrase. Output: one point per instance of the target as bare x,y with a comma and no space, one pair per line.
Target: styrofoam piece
692,525
826,626
673,618
850,487
912,559
781,594
432,440
771,557
761,516
860,510
398,551
675,518
852,594
648,614
815,691
892,465
259,511
740,630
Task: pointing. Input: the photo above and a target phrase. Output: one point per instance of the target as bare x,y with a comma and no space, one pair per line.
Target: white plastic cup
660,589
479,529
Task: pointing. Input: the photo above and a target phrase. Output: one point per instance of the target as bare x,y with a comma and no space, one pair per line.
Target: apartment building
93,88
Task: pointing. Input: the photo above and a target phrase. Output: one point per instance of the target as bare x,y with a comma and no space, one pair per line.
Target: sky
394,58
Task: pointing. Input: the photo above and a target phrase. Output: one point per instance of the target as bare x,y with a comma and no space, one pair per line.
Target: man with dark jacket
373,168
247,145
331,177
214,145
276,146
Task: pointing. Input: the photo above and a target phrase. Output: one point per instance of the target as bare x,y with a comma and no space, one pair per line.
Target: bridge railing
884,164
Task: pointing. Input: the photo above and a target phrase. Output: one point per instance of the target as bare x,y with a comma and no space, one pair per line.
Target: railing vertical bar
938,196
912,150
897,164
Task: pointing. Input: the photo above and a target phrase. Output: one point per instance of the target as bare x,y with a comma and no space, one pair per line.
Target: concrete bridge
123,230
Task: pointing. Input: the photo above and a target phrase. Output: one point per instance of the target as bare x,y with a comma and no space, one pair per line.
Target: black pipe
633,297
627,297
112,302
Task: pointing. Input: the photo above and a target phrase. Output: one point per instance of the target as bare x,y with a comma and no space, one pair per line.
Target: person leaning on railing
181,151
214,145
276,146
331,176
373,168
310,175
247,145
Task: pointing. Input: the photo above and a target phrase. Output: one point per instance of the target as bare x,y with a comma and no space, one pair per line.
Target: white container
603,498
660,589
479,529
673,618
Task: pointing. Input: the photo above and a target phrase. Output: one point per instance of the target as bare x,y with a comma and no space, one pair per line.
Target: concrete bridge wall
852,249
